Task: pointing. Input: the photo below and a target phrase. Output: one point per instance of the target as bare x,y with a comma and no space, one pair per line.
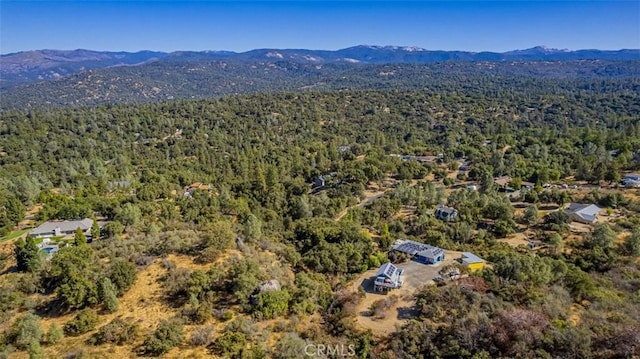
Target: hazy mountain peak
540,49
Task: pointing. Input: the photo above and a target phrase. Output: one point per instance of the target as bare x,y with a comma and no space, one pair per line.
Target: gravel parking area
417,274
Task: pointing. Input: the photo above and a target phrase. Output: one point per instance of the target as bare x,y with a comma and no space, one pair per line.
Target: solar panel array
391,269
412,248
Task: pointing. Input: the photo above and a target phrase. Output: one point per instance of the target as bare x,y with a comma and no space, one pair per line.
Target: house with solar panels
388,277
420,252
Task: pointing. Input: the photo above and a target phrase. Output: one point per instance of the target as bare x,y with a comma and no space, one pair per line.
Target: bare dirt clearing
416,275
517,239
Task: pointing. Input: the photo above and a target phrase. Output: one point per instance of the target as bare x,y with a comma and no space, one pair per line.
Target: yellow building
472,261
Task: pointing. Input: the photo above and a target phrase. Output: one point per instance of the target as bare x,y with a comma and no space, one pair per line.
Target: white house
584,213
631,180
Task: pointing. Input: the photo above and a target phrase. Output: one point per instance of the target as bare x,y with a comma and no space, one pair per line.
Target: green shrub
167,335
227,315
201,336
290,345
35,350
84,322
27,330
116,332
271,304
54,334
229,344
122,274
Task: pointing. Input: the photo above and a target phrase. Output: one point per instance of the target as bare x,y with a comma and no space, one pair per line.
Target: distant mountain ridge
39,65
30,66
166,80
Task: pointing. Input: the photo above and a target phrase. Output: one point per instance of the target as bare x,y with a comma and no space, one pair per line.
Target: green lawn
14,235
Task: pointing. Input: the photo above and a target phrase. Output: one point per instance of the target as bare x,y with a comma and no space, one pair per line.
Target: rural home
527,185
318,182
419,252
472,261
631,180
421,159
62,228
445,213
503,182
583,213
464,166
188,191
388,277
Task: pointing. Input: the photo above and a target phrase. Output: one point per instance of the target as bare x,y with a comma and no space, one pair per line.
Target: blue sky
244,25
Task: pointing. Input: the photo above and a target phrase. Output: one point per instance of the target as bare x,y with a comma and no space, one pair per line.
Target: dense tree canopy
227,183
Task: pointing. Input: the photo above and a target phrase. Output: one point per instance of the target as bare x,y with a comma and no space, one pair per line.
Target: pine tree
28,256
95,230
253,228
385,237
109,295
79,239
632,243
530,215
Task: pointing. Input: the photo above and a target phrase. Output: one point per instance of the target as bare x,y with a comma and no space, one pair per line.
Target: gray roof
269,286
416,248
468,258
444,209
432,253
64,226
583,209
389,270
587,217
587,212
502,181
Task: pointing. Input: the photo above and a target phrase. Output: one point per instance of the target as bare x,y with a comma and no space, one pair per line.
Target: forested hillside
202,79
215,243
42,65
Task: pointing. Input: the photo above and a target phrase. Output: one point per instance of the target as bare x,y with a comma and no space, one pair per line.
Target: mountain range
32,66
51,78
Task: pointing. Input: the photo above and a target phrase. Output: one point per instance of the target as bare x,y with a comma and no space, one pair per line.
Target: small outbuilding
472,261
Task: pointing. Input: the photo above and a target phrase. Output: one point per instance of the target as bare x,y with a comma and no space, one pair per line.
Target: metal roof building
421,252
